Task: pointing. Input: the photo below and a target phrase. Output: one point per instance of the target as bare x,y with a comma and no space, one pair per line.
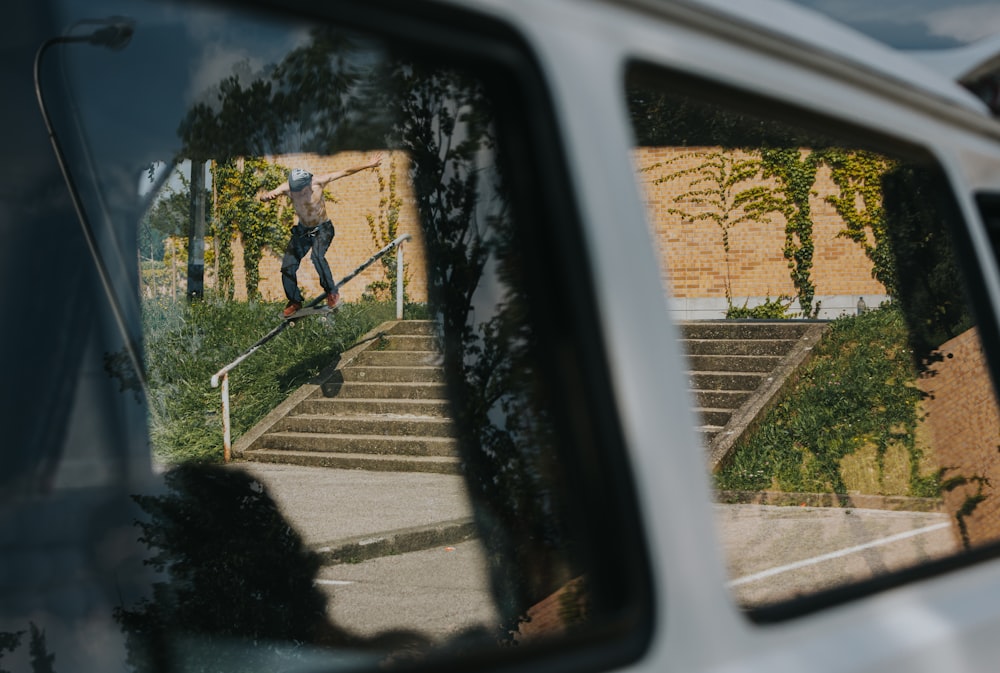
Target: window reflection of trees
336,92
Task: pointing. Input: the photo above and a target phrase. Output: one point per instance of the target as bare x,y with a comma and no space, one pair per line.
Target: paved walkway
358,514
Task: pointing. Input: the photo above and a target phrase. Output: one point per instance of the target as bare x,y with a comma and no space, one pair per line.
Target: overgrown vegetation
850,422
239,212
186,343
384,227
771,309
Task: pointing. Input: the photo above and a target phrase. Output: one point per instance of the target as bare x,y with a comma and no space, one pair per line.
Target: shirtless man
313,232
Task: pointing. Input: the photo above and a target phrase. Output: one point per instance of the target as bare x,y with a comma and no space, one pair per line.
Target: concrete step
411,327
392,374
406,342
360,405
714,417
720,399
378,444
385,425
750,329
398,358
734,363
695,347
746,381
359,461
399,391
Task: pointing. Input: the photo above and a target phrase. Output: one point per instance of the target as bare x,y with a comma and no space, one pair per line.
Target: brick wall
694,260
964,426
356,196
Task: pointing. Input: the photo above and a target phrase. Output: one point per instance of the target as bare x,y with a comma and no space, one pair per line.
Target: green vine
796,175
859,175
384,228
239,211
717,193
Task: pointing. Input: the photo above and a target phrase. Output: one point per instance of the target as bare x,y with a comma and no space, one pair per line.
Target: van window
848,417
360,366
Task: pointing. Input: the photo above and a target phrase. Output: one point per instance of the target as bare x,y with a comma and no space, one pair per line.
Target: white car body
948,622
945,623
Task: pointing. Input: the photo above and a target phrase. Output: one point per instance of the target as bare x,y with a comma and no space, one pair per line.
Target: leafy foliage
384,227
795,171
771,309
789,156
187,343
859,174
971,501
9,641
919,204
718,192
509,451
40,658
239,211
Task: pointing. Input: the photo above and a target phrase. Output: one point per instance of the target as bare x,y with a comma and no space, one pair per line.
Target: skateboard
309,310
315,307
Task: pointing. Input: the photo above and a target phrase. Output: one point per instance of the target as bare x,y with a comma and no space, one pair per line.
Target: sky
916,24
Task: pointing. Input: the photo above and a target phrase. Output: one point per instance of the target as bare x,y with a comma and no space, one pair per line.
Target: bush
771,309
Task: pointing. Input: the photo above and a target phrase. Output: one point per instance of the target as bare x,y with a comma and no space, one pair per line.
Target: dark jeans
304,240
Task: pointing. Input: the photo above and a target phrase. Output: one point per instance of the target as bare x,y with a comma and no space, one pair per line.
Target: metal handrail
221,377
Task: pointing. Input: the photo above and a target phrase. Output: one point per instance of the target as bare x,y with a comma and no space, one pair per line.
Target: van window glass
846,409
358,401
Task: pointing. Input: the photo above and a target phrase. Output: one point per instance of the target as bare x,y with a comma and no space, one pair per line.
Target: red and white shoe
291,308
333,300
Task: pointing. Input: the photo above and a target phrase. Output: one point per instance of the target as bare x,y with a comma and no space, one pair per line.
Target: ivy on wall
859,175
796,175
718,192
239,212
384,227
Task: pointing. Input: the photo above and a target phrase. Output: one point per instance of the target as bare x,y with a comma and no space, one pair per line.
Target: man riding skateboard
314,231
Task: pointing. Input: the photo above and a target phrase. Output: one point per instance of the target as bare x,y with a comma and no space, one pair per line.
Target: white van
637,335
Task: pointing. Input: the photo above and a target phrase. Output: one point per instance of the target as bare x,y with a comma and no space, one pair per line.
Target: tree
168,217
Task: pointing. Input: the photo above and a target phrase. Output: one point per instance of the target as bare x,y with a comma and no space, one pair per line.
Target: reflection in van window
346,380
848,415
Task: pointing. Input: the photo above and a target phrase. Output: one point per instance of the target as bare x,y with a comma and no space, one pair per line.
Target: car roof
817,34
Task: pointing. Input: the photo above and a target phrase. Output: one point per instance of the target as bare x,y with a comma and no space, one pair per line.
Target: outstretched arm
330,177
275,193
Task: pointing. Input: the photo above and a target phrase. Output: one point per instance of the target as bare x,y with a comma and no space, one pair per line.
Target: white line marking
334,582
836,554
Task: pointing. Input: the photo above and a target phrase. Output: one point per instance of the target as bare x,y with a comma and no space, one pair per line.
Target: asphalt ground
400,550
398,547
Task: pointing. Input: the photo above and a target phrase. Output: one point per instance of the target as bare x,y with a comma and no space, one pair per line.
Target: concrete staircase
383,407
738,369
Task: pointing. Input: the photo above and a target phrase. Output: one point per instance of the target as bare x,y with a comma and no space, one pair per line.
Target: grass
851,423
186,343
